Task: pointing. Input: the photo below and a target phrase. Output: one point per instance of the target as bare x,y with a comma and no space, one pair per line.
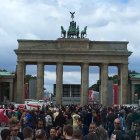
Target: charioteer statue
73,31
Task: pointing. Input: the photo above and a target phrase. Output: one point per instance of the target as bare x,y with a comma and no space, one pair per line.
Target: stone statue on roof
73,30
72,15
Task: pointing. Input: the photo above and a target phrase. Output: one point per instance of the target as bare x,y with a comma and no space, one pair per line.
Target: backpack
48,120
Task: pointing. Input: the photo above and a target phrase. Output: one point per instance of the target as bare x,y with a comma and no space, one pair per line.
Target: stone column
123,95
84,84
20,82
11,91
100,95
133,93
104,84
59,83
118,84
40,81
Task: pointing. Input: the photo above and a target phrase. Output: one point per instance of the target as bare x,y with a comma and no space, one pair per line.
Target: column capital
85,63
122,64
61,63
40,62
20,62
104,64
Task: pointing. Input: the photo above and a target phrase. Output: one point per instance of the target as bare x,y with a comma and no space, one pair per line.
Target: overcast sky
107,20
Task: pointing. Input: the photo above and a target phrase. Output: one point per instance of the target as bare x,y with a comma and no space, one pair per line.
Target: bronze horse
83,32
63,32
77,32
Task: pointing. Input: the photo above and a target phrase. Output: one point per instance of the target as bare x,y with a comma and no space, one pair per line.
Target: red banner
115,93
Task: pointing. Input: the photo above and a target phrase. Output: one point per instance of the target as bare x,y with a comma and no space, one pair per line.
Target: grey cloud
41,19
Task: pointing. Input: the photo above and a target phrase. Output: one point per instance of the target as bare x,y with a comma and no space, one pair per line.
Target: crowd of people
73,122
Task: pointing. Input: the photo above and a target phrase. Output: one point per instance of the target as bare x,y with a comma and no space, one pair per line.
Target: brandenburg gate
73,50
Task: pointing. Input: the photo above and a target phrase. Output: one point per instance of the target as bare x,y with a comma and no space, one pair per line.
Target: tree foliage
114,78
132,72
3,70
28,77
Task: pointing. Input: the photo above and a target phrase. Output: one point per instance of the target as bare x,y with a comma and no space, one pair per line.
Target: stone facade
7,86
81,52
134,84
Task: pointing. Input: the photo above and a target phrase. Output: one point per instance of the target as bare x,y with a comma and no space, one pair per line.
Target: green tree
132,72
114,78
28,77
3,70
95,87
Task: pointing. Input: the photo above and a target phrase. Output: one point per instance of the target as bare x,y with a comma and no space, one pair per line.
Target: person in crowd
98,118
122,121
39,125
129,119
14,128
77,135
5,134
40,115
117,133
28,133
40,134
82,127
23,121
59,133
137,130
30,120
88,117
101,133
55,113
48,122
94,115
111,116
104,117
83,114
53,134
60,120
75,117
91,136
92,127
68,115
67,132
